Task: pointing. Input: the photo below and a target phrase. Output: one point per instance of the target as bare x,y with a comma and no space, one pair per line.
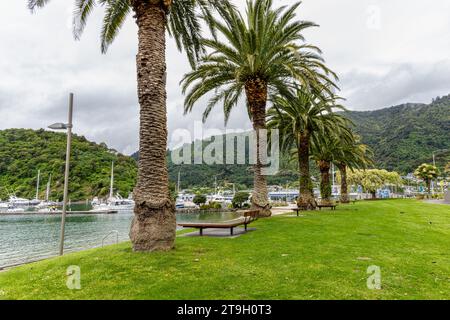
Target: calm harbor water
31,237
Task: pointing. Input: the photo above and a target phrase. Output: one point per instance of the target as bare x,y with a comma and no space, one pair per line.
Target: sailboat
184,200
47,205
113,203
36,200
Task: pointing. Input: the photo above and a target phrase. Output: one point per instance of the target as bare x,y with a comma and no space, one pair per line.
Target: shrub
239,199
199,199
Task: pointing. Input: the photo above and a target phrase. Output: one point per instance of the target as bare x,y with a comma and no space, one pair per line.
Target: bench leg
201,231
245,227
231,230
297,212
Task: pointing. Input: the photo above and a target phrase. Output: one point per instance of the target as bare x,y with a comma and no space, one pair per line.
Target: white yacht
18,202
185,200
219,198
119,203
116,203
216,198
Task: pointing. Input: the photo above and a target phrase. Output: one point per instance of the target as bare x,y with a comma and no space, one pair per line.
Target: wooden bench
332,206
300,208
247,218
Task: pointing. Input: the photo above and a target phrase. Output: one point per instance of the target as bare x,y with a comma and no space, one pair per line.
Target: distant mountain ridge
404,136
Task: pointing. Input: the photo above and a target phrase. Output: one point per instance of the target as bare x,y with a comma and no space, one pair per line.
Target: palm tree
264,55
351,154
153,227
427,172
324,148
299,118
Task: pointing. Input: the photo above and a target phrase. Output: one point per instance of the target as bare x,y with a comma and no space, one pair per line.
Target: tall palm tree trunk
325,181
256,91
344,187
153,226
306,198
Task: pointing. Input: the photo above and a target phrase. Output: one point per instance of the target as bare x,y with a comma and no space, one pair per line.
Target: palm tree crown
183,21
264,51
304,113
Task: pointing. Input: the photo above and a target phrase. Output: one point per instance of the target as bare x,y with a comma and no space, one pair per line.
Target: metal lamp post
68,127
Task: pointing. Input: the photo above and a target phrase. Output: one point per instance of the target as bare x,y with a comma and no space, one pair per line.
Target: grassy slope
310,257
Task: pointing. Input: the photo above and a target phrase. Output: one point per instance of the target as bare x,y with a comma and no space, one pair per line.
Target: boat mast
37,184
112,181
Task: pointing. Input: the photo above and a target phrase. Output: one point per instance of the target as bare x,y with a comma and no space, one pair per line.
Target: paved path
437,202
280,210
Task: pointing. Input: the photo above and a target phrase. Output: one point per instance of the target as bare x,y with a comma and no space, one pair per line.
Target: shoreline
27,213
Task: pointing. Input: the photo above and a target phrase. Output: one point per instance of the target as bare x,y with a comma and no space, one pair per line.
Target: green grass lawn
323,255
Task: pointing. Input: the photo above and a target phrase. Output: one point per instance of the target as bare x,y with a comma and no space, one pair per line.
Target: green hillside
404,136
23,152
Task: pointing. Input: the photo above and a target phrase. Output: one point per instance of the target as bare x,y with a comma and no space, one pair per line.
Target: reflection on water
31,237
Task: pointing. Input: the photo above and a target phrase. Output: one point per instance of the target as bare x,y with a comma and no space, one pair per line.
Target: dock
56,212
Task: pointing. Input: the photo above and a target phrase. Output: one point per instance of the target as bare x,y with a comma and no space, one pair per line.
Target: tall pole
178,183
66,175
37,184
111,186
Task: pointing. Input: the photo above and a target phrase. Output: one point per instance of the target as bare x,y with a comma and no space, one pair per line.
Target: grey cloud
40,64
400,83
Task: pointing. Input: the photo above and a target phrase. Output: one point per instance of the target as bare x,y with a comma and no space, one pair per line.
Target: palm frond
36,4
115,13
83,9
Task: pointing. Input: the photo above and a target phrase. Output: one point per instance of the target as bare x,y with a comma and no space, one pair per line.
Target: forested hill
23,152
404,136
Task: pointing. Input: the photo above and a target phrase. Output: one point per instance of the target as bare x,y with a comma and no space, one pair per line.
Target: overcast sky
386,52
